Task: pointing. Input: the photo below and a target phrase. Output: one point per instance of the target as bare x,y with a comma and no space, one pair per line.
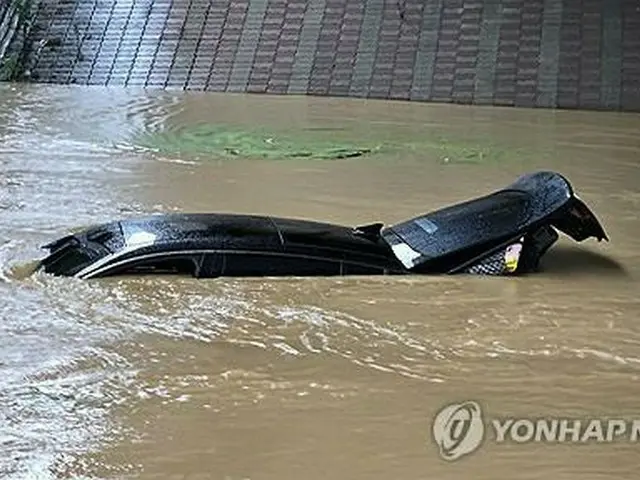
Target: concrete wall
549,53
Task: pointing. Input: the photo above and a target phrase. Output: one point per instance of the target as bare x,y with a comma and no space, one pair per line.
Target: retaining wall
547,53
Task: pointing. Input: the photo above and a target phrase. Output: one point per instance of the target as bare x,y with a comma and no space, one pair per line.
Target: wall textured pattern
549,53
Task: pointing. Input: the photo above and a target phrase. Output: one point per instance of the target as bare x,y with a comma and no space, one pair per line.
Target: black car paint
448,240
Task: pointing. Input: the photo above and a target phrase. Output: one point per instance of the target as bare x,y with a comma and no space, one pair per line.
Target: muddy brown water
305,378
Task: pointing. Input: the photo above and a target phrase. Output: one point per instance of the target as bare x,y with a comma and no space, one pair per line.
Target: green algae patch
452,150
228,142
211,141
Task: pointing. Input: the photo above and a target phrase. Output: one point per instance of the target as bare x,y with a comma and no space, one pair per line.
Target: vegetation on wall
12,66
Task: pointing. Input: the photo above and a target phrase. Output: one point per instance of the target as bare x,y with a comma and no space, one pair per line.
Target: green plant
12,67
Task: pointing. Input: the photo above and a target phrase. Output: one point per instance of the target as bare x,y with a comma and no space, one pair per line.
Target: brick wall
549,53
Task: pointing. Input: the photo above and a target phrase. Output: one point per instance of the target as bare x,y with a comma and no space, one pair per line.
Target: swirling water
172,377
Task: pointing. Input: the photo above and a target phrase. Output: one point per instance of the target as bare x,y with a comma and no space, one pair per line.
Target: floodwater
171,377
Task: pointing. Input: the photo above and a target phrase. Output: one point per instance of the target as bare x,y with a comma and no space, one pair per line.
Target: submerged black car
505,232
